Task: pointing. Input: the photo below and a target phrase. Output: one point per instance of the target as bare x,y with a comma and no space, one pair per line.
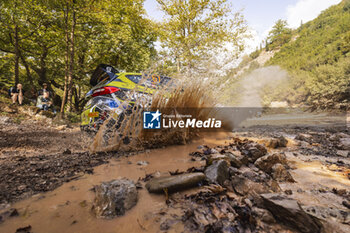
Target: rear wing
102,73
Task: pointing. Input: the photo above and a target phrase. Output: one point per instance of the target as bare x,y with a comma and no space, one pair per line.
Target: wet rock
26,229
244,186
142,163
266,162
264,215
174,183
215,157
7,214
304,137
277,142
114,198
344,144
253,151
234,161
217,172
237,159
280,173
343,153
346,204
327,213
288,211
288,192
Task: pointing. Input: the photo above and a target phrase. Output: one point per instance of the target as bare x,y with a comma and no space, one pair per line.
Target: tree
280,33
194,29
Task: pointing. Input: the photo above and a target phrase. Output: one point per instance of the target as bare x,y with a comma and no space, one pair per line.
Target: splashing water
125,132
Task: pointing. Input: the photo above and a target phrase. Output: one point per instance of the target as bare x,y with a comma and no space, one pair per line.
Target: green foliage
193,29
279,35
319,60
106,31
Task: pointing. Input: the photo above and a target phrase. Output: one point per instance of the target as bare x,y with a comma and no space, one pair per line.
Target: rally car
112,89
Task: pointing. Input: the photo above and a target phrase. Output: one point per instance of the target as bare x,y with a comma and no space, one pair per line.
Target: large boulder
174,183
288,212
217,172
266,162
114,198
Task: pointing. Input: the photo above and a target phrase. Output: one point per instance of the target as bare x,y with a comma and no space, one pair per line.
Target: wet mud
53,192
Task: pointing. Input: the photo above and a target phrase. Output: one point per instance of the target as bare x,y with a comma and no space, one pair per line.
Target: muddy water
67,209
314,176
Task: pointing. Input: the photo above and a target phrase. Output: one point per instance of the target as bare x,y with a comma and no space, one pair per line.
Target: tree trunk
71,62
29,76
17,56
65,91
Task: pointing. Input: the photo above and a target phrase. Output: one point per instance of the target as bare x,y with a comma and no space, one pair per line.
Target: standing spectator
45,89
16,94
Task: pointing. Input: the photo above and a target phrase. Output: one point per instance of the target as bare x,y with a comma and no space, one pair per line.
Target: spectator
16,94
45,89
44,102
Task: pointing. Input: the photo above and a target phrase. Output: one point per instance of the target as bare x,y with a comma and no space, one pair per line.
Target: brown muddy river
67,209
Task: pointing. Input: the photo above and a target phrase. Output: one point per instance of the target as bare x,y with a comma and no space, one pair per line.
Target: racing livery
111,89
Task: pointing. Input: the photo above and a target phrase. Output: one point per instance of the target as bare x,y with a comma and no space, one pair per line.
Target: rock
343,153
264,215
346,204
280,173
142,163
266,162
288,211
304,137
216,157
26,229
277,142
114,198
244,186
67,151
288,192
174,183
8,213
272,143
236,160
253,151
326,213
344,144
282,141
217,172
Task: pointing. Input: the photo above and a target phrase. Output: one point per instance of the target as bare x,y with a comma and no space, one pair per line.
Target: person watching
44,102
16,94
44,89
